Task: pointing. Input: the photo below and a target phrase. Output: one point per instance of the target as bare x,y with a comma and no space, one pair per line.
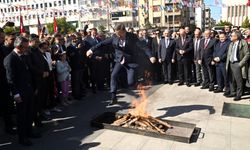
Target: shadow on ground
178,110
70,129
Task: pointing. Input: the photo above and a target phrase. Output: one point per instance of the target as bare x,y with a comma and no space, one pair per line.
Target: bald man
206,60
184,51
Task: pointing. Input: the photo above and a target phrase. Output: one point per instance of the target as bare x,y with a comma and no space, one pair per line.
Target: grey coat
243,55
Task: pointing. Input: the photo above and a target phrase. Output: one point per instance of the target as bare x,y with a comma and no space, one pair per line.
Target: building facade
164,13
235,12
92,12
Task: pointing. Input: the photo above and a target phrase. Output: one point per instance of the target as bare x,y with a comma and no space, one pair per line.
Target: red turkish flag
55,25
39,26
248,3
22,30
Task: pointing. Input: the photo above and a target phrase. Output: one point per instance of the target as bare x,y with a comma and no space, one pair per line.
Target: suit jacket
198,51
206,53
155,46
76,61
220,50
4,51
243,55
148,41
18,75
187,47
129,52
37,64
166,54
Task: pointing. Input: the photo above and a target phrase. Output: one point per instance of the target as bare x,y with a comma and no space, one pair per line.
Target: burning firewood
138,118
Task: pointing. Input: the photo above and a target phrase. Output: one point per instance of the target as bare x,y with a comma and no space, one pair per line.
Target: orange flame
140,105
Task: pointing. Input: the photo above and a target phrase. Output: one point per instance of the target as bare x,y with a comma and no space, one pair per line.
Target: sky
215,10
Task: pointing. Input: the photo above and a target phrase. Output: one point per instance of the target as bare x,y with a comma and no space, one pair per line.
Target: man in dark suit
166,56
77,65
184,51
205,59
6,100
197,50
219,59
20,82
126,46
155,47
40,73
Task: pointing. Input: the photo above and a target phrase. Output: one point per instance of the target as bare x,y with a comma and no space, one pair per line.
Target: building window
64,2
59,3
244,10
36,6
157,20
55,4
228,11
41,5
236,10
232,12
74,1
50,4
239,10
69,2
156,8
45,5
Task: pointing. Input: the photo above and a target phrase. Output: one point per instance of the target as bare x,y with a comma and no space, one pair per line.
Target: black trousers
221,76
236,79
41,98
184,69
130,76
24,117
167,71
77,83
6,108
209,74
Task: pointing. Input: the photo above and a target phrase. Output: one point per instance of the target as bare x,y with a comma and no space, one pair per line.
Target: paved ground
71,129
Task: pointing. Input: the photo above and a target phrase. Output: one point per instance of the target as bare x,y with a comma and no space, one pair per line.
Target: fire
140,105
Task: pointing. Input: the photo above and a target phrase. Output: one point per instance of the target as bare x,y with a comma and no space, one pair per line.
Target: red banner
55,25
22,30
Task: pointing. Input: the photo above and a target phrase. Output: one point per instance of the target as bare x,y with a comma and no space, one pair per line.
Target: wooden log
156,128
161,122
121,120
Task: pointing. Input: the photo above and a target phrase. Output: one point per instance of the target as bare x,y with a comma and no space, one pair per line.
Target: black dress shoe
170,83
237,98
218,91
188,84
197,84
180,84
35,136
25,142
226,93
231,95
165,82
211,89
205,87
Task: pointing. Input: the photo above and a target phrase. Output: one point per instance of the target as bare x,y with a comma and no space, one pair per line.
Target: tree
64,27
246,23
102,28
10,30
147,25
224,23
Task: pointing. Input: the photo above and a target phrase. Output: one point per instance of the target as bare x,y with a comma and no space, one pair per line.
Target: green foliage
246,23
10,30
147,25
64,27
224,23
102,29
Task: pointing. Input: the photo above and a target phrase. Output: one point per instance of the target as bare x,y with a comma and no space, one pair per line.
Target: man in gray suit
166,56
237,64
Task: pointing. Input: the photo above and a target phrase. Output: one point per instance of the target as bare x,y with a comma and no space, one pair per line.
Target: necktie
183,41
196,45
167,42
206,42
233,53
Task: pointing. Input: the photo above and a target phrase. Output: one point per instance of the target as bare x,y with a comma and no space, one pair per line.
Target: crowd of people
37,73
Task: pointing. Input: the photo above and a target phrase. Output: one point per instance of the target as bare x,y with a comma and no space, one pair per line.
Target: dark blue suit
166,54
128,52
220,50
20,82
